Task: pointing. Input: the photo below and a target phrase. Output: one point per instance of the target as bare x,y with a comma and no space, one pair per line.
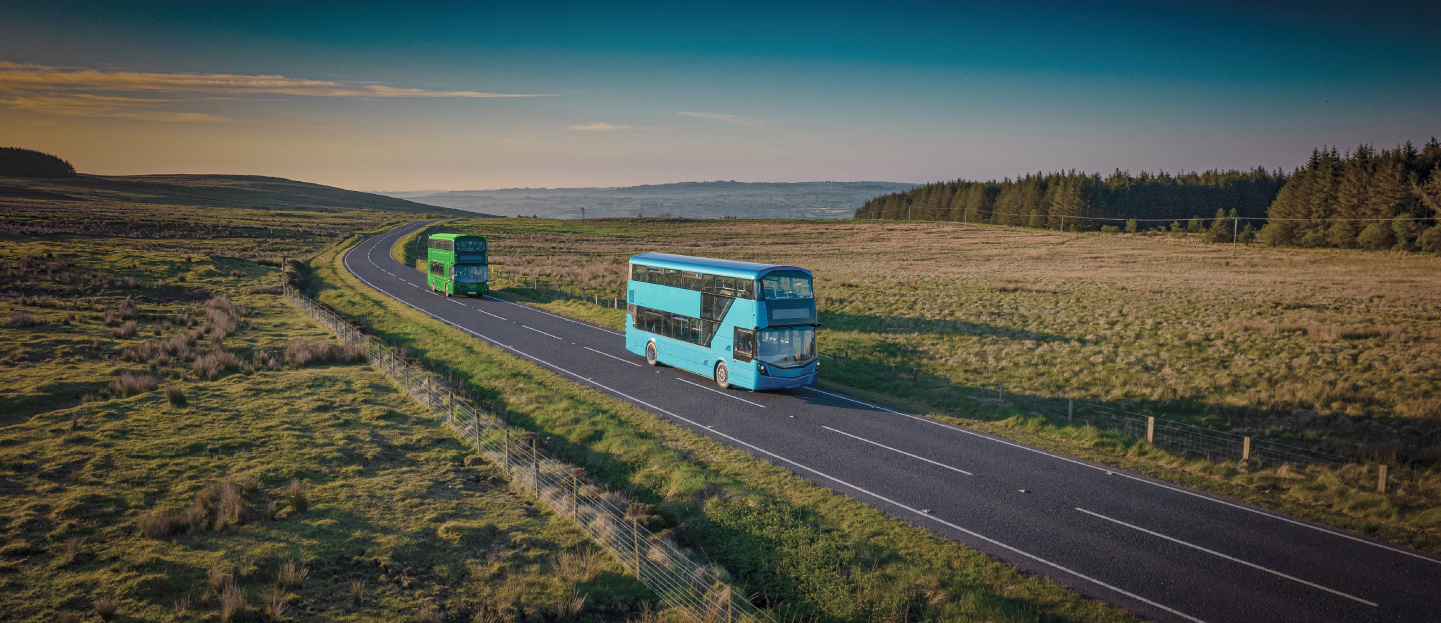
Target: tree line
17,162
1400,189
1361,199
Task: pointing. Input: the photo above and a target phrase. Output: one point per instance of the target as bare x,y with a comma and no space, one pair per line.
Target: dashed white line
541,332
1111,471
611,356
1230,558
788,461
917,457
712,389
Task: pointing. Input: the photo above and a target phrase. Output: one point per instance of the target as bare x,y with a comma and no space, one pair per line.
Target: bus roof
454,236
724,268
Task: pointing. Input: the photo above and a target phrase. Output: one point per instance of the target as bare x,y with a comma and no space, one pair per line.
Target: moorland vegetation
1324,349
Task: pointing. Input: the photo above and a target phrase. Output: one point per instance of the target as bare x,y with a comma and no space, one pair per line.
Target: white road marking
542,332
786,460
1112,472
611,356
557,316
727,395
1230,558
919,458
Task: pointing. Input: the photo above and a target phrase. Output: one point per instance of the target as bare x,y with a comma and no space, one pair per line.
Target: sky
376,96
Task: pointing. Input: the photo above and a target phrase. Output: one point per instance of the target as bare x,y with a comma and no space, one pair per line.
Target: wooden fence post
1070,410
1151,429
1245,448
1381,479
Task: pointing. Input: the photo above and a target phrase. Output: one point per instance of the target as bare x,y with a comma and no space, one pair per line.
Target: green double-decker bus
457,264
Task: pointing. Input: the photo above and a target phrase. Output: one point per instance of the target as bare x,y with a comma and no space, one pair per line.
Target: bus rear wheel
650,357
722,375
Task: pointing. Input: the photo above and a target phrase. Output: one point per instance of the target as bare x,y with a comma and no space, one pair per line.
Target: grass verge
802,549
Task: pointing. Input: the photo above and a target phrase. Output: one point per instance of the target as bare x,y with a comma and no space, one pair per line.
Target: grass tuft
175,394
106,607
18,320
291,575
232,602
299,496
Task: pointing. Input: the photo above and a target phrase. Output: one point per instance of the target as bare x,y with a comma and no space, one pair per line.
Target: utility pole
582,214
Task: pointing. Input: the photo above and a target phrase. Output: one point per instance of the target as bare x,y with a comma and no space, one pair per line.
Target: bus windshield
470,273
786,346
786,286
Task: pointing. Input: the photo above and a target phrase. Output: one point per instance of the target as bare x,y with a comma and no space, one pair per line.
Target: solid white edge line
778,457
1230,558
712,389
1116,472
918,458
543,332
611,356
556,316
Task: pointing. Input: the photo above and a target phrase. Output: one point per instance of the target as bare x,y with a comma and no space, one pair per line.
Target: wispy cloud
87,92
22,77
599,126
88,105
728,119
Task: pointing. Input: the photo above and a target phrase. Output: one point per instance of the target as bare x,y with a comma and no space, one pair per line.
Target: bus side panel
673,300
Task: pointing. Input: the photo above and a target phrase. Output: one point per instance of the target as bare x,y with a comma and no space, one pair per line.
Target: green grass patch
801,548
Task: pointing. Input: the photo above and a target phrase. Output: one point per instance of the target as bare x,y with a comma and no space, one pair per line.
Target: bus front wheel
650,357
722,375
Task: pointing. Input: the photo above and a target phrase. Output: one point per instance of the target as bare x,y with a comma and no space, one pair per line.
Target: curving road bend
1159,550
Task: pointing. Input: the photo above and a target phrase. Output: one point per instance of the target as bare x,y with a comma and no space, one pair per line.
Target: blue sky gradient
837,91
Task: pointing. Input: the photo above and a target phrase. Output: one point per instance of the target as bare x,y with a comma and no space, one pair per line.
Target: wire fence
1178,437
557,289
608,517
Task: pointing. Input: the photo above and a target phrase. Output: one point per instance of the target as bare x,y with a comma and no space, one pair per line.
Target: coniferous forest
1366,198
17,162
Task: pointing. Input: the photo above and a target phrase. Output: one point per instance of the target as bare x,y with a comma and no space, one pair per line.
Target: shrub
232,602
1403,229
299,496
18,320
175,394
1110,229
1430,240
127,307
110,318
304,352
1131,226
132,384
1194,226
125,331
291,575
212,364
107,607
66,616
230,505
70,550
274,600
219,578
1376,237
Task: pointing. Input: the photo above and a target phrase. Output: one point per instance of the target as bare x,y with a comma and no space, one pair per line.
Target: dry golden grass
1264,338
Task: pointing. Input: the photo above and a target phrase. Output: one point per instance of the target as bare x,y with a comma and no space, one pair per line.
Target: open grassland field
198,450
1332,350
239,216
802,550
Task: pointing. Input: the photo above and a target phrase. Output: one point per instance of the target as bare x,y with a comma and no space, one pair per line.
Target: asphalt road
1161,551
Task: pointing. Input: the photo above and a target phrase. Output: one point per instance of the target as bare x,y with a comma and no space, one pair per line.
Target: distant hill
809,200
17,162
232,191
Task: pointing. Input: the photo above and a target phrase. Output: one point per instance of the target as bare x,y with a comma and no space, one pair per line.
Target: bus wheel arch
651,356
722,375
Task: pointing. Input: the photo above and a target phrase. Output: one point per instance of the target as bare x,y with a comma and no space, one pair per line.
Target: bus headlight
762,368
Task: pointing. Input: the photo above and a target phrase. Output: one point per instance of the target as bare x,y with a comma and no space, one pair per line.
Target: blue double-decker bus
743,324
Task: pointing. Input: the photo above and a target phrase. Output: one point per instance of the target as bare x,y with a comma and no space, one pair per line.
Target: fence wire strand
697,590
